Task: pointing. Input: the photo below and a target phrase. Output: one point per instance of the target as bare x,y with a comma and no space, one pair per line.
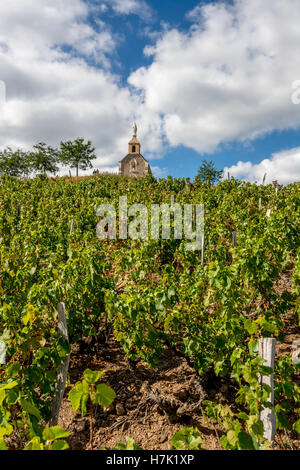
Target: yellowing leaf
29,316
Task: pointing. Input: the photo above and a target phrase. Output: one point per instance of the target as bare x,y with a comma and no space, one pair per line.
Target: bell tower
134,164
134,146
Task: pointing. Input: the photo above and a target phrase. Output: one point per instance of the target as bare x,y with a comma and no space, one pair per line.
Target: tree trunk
77,170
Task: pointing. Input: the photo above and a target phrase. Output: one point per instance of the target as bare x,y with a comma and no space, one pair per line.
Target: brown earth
139,418
135,415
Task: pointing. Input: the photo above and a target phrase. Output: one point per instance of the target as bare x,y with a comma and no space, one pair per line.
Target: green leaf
13,369
243,416
224,442
253,346
281,420
2,444
250,326
104,395
5,335
30,408
8,386
235,355
245,441
187,439
75,397
34,444
130,445
5,430
232,438
54,432
92,376
29,315
2,396
266,325
12,396
296,426
218,366
171,292
255,426
76,394
60,445
83,402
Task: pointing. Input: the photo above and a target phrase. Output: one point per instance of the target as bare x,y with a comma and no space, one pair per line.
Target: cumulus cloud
283,166
159,172
59,85
138,7
229,77
34,29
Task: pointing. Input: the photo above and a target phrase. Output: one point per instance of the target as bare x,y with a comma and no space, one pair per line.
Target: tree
77,154
44,158
207,173
14,163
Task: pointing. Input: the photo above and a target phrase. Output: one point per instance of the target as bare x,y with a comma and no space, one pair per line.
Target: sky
203,80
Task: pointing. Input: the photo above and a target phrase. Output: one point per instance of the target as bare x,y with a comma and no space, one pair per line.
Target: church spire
134,144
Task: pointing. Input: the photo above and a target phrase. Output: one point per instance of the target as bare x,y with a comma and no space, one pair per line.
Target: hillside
176,331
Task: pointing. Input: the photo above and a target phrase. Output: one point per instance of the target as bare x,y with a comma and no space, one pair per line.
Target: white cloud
138,7
53,93
102,169
229,77
159,172
282,166
31,29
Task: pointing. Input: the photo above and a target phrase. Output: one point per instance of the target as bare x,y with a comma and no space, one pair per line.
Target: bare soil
134,415
138,417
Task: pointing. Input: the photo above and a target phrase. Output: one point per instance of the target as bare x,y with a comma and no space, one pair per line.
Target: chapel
134,164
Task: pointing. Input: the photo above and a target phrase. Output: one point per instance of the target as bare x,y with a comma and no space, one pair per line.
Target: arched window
133,165
133,149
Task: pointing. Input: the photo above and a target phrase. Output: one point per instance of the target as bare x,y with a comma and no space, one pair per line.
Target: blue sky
134,30
203,80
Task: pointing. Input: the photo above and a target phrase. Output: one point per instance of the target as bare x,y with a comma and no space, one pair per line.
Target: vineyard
176,335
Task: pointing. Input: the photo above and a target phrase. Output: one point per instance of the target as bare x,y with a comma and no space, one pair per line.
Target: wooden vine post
2,352
296,352
72,226
63,367
234,238
267,415
202,250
